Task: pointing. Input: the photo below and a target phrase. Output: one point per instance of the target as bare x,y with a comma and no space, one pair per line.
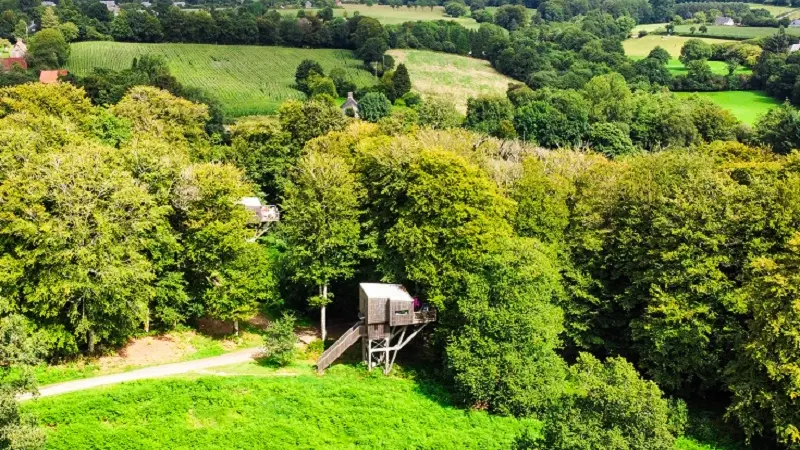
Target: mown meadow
452,76
247,80
747,106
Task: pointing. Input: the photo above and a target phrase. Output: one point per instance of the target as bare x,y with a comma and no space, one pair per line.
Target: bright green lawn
344,409
387,15
747,106
256,407
247,79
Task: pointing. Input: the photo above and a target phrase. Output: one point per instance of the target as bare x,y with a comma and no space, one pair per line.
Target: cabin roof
385,290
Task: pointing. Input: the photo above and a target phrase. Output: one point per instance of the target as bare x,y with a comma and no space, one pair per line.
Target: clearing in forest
451,76
637,48
747,106
246,79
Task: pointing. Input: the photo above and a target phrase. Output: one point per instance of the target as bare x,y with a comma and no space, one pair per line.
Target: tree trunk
90,339
322,313
147,321
236,327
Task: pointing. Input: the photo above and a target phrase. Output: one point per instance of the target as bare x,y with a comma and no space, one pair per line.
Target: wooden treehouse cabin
387,322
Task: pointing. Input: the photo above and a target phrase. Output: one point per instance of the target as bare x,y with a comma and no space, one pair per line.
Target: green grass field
387,15
672,44
747,106
255,406
737,33
344,409
247,80
452,76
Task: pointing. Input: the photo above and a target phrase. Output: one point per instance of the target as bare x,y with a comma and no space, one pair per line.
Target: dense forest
601,253
673,266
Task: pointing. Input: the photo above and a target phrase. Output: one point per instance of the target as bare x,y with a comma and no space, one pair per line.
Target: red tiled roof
8,63
51,76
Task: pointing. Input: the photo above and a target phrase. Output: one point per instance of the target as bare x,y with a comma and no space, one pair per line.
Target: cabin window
401,313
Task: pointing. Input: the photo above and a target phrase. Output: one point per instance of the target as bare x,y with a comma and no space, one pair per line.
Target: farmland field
747,106
673,44
637,48
773,9
387,15
246,79
739,33
254,406
452,76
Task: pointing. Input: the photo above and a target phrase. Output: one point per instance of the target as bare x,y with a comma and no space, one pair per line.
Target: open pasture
673,44
247,80
736,33
747,106
387,15
451,76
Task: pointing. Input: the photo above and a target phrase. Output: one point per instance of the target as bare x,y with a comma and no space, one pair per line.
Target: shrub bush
279,341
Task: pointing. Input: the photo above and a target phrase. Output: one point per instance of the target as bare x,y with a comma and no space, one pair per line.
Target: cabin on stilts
387,322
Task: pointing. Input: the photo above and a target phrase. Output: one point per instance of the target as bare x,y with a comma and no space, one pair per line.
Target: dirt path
165,370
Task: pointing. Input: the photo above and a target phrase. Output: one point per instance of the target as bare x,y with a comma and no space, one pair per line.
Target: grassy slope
247,80
255,406
452,76
774,10
394,16
746,105
344,409
672,44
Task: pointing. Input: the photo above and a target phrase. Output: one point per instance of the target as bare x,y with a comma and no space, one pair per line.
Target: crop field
387,15
738,33
747,106
256,406
247,80
452,76
773,9
673,44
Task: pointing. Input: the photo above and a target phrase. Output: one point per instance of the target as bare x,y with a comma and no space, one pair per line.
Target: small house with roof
19,50
388,318
795,23
724,21
350,106
10,63
794,47
51,76
111,5
48,4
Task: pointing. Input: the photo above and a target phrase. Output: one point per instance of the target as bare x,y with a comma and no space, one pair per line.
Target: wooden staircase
349,338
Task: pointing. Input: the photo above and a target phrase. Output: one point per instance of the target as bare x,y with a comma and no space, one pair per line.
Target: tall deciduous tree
321,211
48,49
19,352
77,228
